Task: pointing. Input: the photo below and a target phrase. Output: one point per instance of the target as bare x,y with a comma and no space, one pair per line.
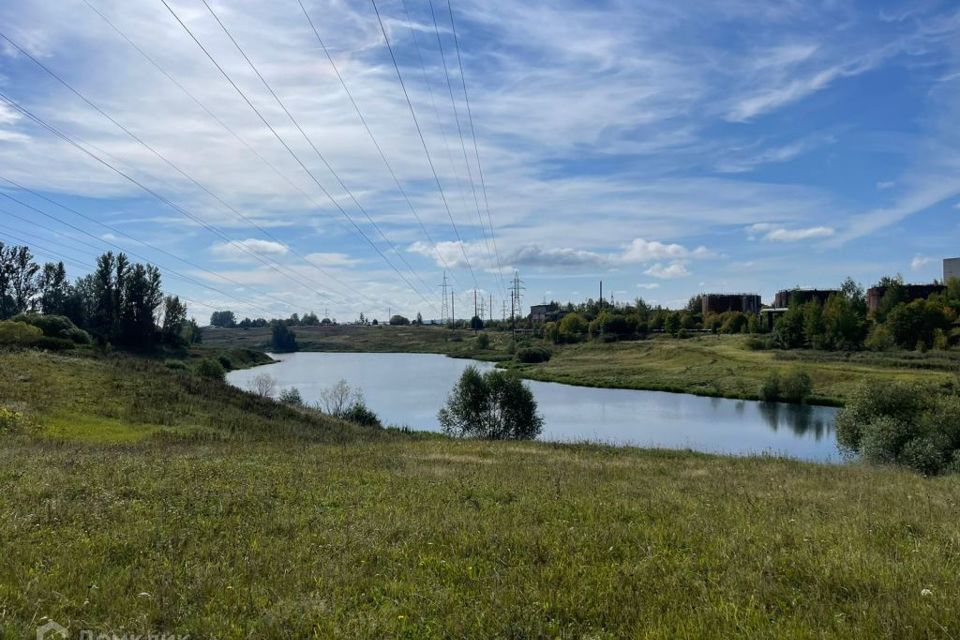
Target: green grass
719,366
722,366
369,339
238,518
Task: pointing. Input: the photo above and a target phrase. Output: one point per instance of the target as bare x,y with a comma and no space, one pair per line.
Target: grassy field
137,499
707,365
369,339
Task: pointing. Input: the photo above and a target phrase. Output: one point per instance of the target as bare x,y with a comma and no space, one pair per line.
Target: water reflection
800,419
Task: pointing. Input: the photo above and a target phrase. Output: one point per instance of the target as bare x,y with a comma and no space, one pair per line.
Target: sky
268,157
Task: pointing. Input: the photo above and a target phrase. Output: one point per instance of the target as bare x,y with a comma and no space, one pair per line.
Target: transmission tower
444,308
516,299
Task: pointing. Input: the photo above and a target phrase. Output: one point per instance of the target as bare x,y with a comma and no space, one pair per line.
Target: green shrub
879,339
483,341
291,396
494,405
359,413
210,368
78,336
796,387
18,333
770,389
903,424
176,365
52,326
225,362
529,355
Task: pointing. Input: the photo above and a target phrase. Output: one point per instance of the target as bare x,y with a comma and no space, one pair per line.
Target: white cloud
639,251
919,262
883,185
670,271
241,249
773,233
648,286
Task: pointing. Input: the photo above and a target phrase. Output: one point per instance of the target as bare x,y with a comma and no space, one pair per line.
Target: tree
23,279
174,321
53,288
141,298
476,323
263,385
283,339
788,332
495,405
223,319
398,320
419,320
916,322
337,399
309,320
572,327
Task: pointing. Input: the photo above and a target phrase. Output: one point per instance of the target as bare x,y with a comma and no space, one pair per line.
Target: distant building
911,292
540,313
723,302
951,269
803,296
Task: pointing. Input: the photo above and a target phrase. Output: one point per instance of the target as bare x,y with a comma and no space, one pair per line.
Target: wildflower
926,592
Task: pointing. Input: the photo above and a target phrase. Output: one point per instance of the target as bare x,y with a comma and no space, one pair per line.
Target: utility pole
515,301
444,308
490,312
453,309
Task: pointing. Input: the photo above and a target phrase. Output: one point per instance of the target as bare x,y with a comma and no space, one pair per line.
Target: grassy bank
719,366
233,517
369,339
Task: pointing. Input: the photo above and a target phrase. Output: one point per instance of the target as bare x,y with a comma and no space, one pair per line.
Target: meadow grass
239,518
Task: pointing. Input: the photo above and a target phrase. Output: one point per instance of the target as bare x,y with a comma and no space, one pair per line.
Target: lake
408,390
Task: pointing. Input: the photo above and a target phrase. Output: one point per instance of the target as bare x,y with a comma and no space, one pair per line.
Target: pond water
408,390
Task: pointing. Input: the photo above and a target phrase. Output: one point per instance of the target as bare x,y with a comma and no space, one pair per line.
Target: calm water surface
408,390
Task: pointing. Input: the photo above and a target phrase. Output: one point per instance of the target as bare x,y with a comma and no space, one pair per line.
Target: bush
291,396
770,389
902,424
210,368
18,333
52,326
794,387
879,339
78,336
494,405
360,414
530,355
483,341
175,365
264,385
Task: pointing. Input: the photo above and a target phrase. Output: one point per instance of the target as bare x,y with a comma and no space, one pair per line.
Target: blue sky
667,148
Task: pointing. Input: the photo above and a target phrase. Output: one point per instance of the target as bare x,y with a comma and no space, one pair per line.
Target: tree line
121,303
842,322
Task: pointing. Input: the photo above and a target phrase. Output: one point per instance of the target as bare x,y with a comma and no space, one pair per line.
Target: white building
951,268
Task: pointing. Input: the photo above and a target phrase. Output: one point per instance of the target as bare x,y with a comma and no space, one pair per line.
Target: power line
80,263
436,111
373,138
423,141
240,139
133,136
315,149
473,131
456,117
136,255
287,146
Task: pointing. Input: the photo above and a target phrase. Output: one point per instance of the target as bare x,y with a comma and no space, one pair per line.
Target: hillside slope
136,499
